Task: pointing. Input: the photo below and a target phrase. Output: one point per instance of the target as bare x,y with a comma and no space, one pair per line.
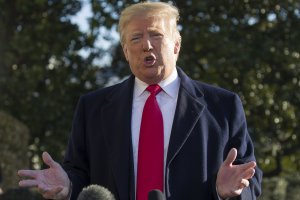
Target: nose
147,46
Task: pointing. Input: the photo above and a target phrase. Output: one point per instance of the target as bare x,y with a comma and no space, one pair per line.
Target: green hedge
281,188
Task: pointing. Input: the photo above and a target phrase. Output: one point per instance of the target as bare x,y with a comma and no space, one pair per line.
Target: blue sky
81,18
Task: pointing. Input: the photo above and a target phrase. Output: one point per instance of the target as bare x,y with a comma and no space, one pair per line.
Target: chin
154,78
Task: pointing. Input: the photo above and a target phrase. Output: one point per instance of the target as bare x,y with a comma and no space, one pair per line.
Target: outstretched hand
52,183
232,179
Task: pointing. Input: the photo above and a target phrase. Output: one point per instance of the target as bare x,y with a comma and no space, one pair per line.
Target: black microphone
95,192
156,195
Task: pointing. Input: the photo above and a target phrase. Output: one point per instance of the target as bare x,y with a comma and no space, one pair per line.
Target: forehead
140,23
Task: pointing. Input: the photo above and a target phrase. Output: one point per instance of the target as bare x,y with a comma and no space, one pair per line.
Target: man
206,150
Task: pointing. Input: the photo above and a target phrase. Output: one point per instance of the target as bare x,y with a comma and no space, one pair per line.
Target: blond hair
149,10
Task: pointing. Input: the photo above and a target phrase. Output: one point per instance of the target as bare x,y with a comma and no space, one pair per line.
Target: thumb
231,157
48,159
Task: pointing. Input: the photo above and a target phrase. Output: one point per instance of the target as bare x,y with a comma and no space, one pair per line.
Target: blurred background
53,51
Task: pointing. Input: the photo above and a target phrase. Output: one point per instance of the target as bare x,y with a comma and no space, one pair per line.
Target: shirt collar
170,85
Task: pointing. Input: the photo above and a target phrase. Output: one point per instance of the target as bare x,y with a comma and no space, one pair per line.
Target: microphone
156,195
95,192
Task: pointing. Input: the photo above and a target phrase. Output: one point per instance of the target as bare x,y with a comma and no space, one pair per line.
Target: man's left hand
232,179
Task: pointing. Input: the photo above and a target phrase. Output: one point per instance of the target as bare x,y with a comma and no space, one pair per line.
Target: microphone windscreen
95,192
156,195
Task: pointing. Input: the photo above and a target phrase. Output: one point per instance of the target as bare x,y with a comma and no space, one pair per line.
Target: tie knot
154,89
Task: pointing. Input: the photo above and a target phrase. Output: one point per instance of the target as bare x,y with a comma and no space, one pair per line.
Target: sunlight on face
150,48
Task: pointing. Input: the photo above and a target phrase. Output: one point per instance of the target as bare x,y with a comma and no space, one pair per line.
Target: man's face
150,48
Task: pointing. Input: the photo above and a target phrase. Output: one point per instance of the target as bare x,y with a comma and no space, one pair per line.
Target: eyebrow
134,34
155,31
150,30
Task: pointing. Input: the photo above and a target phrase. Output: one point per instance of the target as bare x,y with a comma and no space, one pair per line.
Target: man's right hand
52,183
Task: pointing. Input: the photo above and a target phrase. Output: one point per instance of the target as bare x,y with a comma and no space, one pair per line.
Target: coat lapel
116,125
188,111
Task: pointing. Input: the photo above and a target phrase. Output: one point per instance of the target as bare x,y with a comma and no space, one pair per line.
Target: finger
48,159
248,174
28,183
28,173
231,157
41,190
247,166
244,183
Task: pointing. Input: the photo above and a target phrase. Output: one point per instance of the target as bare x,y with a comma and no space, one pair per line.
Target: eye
135,38
156,35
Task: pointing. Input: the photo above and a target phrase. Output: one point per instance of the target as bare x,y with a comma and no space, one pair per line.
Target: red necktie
151,147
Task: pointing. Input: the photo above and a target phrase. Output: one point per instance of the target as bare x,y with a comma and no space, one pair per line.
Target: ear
177,46
125,51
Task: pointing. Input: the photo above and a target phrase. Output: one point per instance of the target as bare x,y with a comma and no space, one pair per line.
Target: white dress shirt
167,100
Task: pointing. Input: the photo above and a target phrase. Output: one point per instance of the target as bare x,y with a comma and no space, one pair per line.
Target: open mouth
149,60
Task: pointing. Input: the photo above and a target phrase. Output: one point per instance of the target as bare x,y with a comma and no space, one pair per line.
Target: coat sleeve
239,138
76,161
